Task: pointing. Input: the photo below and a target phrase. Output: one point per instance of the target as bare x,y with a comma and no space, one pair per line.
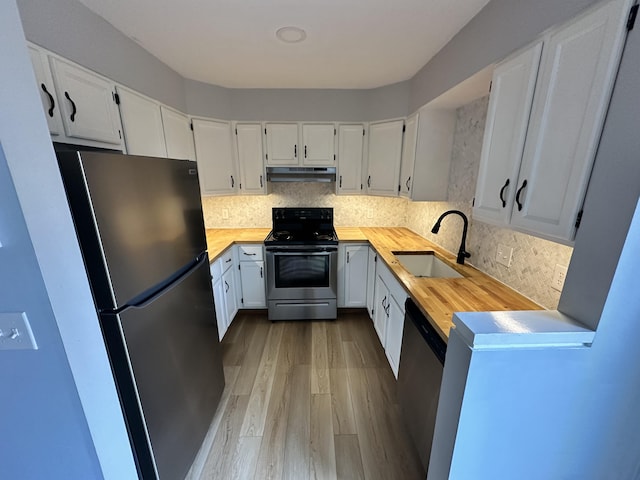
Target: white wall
60,410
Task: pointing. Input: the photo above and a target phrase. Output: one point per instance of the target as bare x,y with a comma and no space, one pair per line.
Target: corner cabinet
385,151
352,275
426,155
536,181
214,154
350,157
250,158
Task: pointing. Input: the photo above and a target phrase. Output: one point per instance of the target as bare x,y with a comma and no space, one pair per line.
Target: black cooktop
302,226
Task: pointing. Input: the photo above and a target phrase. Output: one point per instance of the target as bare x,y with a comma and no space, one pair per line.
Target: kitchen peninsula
437,298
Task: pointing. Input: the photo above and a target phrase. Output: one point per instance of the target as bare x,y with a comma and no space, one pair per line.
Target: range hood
301,174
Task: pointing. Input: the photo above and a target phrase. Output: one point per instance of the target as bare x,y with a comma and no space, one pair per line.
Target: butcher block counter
437,298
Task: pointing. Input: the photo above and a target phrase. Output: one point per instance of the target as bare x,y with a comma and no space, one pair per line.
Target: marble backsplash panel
246,211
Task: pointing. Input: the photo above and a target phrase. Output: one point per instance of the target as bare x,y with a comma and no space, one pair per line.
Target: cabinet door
250,159
380,308
282,143
350,150
228,285
408,155
393,343
514,81
87,105
142,124
46,88
253,284
577,72
215,157
371,280
355,281
221,310
318,142
178,135
385,149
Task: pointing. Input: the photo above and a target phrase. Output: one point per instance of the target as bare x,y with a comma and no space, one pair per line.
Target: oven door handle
308,251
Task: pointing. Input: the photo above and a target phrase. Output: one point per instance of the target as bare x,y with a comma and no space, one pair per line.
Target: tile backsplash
533,260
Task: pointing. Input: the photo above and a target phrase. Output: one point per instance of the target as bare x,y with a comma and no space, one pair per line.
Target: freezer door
139,220
168,366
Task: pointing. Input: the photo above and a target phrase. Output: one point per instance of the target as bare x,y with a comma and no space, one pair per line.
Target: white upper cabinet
282,143
178,135
318,142
512,88
574,83
578,68
385,150
214,153
142,124
87,103
250,158
408,155
47,91
350,157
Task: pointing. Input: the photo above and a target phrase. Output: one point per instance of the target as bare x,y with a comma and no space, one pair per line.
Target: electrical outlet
15,332
559,274
503,255
225,213
369,213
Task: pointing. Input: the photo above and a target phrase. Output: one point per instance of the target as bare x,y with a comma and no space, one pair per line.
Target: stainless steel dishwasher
419,378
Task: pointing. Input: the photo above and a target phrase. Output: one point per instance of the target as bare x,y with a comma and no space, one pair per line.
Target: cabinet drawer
226,260
250,252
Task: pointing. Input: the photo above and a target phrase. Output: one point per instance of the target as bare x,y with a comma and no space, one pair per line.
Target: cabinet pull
261,185
384,303
227,260
504,202
305,151
407,184
52,103
72,117
369,182
295,151
261,272
226,287
386,310
524,184
340,181
347,257
249,254
233,183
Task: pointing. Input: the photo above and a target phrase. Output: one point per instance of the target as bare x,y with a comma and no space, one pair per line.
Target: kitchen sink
425,264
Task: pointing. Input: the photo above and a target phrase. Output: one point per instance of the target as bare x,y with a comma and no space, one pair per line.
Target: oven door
303,273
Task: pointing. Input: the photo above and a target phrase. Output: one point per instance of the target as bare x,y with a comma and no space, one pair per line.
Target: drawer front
250,253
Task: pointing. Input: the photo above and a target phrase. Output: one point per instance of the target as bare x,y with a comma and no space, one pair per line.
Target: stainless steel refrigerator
140,227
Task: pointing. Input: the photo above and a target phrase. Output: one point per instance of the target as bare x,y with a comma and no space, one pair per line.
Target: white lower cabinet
352,275
224,290
252,276
388,318
372,260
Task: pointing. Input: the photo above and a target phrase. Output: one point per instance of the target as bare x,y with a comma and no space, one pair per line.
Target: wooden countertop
437,298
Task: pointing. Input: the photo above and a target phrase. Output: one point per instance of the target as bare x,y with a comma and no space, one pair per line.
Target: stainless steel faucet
462,253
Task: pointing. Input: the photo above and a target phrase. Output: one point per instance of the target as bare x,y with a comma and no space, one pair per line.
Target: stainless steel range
302,264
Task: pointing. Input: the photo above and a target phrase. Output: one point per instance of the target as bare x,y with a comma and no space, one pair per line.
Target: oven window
301,271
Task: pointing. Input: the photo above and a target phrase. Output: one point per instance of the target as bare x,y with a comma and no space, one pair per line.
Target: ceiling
355,44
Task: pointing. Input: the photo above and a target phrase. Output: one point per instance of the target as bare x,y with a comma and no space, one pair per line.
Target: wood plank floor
306,400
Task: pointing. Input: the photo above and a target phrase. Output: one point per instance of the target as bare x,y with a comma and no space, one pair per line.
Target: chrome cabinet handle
504,202
524,184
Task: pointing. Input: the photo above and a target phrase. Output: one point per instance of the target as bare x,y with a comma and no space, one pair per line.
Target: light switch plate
15,332
559,274
503,255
